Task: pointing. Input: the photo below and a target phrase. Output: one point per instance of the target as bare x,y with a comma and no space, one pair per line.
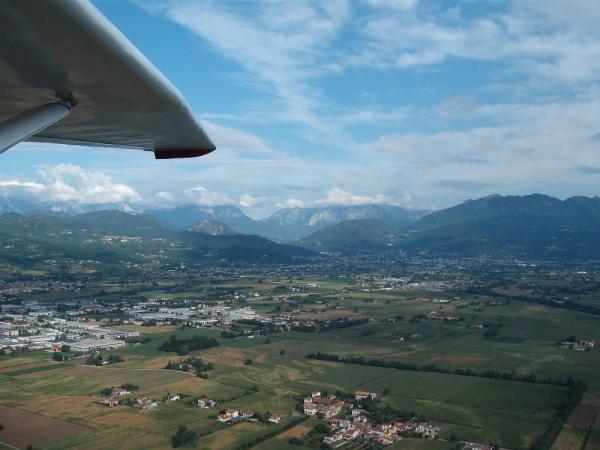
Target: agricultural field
391,326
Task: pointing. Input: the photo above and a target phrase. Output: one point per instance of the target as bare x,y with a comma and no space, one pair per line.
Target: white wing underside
67,50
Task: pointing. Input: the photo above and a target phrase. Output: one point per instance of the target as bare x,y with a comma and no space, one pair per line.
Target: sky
418,103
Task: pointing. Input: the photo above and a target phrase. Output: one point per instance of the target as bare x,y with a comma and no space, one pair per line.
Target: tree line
327,326
571,400
564,303
489,373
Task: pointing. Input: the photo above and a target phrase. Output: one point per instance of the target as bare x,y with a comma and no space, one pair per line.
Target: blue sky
417,103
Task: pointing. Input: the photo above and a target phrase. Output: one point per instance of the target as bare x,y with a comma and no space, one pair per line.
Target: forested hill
530,226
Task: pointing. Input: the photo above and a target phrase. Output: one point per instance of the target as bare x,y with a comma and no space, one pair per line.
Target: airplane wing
67,75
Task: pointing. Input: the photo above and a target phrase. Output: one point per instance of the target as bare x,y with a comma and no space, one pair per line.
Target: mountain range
114,237
530,226
286,224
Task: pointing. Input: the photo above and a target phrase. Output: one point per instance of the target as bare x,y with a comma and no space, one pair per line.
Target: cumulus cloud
292,203
165,197
68,182
72,183
337,196
248,201
200,195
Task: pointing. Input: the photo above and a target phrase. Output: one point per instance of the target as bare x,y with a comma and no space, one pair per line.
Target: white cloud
337,196
458,106
292,203
236,140
68,182
71,183
282,48
21,184
541,71
553,39
248,201
165,197
373,116
399,5
199,195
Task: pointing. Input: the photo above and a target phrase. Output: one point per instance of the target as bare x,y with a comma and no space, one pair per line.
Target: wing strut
28,123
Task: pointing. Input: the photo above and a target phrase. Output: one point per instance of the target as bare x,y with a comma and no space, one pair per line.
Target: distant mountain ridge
23,206
212,228
113,236
293,223
363,236
185,216
286,224
515,226
530,226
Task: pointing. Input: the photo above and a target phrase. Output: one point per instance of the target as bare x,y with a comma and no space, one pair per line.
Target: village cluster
346,420
578,344
356,424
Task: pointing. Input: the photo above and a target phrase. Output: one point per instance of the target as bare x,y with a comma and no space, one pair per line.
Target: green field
511,413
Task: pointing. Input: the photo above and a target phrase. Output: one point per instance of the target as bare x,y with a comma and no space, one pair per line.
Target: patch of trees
98,360
331,325
315,436
383,413
228,334
184,346
182,437
563,304
253,322
492,329
63,354
494,374
189,365
107,391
